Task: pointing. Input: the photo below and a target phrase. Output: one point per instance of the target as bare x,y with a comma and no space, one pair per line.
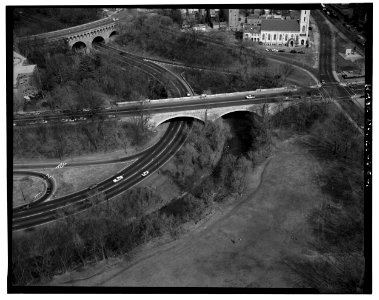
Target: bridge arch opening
244,128
237,113
178,118
113,35
79,47
99,40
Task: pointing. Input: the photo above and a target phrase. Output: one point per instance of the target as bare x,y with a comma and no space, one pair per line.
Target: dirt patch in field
71,179
241,244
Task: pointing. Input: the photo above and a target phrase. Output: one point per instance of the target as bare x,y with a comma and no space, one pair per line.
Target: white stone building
279,32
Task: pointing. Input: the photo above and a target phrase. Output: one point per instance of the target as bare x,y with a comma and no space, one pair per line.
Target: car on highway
188,95
145,173
93,186
250,97
118,178
203,95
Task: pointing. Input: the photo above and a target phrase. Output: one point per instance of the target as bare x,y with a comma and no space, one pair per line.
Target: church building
279,32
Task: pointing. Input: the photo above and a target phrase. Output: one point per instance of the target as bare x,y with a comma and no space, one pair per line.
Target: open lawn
262,239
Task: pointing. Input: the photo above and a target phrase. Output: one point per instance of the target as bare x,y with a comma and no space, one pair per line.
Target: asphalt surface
332,88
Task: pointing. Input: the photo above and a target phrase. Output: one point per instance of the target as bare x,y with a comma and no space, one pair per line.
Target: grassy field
26,189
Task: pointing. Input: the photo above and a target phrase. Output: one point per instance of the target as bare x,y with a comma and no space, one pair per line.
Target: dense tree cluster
216,82
36,20
157,35
73,81
62,141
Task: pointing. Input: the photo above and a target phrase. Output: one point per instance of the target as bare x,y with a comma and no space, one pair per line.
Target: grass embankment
26,189
63,141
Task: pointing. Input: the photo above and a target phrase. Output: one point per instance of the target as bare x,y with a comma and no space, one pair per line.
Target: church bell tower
304,22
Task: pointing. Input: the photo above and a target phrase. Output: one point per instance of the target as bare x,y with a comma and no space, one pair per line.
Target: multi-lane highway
50,210
150,160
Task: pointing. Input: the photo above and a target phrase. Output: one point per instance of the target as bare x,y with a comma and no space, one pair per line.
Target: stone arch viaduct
79,37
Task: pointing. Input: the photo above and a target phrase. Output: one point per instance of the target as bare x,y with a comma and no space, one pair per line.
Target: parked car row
299,52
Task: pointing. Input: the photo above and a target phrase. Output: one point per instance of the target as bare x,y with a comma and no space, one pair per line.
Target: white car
86,109
118,178
203,95
250,97
188,95
145,173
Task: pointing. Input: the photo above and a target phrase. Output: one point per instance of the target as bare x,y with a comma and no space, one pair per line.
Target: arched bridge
212,107
79,37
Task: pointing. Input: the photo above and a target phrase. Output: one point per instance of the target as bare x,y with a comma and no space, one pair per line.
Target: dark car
293,51
93,186
281,50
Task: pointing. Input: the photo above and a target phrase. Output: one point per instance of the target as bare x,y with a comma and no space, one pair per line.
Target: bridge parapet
68,31
194,98
212,114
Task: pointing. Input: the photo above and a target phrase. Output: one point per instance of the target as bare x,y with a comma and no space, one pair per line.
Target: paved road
49,211
332,89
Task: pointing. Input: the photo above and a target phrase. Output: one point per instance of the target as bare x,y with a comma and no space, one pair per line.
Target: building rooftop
252,29
280,25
